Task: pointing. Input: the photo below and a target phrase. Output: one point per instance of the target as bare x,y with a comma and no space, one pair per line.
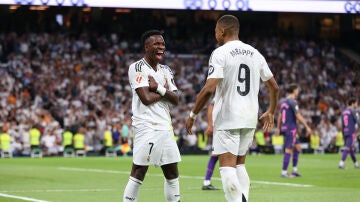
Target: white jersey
156,115
240,67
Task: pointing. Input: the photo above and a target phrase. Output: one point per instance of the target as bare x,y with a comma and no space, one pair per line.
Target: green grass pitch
97,179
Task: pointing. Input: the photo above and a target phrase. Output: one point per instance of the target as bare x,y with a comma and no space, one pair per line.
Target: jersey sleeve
216,65
294,106
170,79
137,77
265,72
355,117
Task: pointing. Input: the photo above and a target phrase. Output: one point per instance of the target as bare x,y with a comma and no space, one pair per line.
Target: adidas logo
129,198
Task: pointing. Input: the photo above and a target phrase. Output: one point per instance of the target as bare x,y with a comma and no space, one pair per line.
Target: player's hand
209,130
308,130
268,119
189,124
277,132
166,84
152,84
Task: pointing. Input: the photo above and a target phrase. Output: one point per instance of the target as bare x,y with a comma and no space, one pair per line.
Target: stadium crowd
57,82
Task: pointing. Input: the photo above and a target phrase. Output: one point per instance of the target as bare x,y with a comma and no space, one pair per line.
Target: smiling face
155,49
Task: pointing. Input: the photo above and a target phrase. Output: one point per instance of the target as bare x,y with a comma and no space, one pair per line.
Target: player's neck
291,96
231,38
152,63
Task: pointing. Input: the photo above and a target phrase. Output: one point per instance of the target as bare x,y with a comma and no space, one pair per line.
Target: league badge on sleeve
139,78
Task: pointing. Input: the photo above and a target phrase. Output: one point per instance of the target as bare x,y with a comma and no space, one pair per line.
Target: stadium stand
79,79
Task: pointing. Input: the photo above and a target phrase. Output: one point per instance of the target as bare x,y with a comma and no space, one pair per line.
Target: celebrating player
235,70
153,90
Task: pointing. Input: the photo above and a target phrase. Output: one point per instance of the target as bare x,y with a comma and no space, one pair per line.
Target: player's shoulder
291,100
137,66
166,68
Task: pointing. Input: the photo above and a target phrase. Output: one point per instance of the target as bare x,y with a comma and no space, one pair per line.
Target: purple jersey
348,119
288,109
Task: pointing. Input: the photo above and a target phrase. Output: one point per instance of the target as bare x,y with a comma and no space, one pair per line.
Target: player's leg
289,141
226,146
170,156
352,151
133,186
353,157
295,159
141,153
209,171
171,184
348,144
243,178
230,182
246,138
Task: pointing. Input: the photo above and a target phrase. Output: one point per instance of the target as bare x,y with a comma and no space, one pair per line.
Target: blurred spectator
50,143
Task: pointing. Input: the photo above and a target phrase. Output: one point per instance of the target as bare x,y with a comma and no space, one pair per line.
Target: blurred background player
349,119
287,126
207,185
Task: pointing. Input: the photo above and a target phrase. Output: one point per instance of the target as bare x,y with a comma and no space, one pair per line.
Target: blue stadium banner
307,6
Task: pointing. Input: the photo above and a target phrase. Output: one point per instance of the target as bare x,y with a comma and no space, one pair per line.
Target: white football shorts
154,147
235,141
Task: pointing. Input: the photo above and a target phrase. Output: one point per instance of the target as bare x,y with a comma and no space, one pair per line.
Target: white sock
206,182
244,180
231,184
132,190
284,172
172,190
341,163
295,169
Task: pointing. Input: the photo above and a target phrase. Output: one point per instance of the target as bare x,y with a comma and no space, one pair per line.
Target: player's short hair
351,101
291,87
148,34
229,23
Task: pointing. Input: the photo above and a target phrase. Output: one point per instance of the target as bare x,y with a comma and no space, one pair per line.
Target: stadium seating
80,153
110,152
278,144
319,150
69,152
6,154
36,153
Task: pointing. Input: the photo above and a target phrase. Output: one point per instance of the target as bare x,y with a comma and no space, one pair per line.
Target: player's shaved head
229,23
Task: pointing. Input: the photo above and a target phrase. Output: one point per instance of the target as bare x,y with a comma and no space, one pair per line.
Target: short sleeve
170,79
216,65
265,72
294,105
137,77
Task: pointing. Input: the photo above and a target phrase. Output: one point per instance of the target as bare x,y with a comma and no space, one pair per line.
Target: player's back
288,114
237,93
348,121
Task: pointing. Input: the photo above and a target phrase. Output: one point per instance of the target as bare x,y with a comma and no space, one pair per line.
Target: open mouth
159,54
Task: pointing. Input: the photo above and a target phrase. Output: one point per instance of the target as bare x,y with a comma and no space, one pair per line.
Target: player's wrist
192,115
161,90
